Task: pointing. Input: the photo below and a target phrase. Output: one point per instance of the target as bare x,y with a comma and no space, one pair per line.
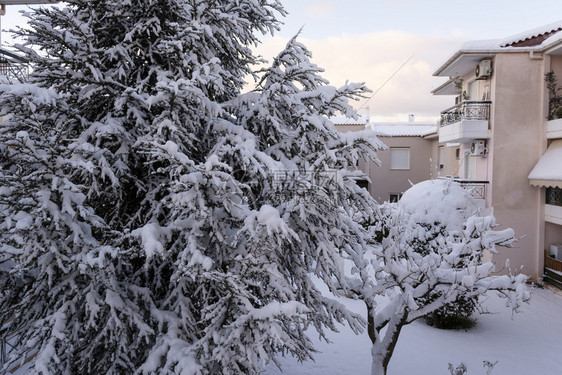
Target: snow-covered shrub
441,209
454,315
159,212
460,369
432,245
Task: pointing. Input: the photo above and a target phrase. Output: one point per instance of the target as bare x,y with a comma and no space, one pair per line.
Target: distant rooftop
403,129
342,120
409,128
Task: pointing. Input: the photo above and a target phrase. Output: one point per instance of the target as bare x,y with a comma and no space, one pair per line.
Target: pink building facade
507,139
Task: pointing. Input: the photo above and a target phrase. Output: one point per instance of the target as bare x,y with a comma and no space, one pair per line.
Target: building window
399,158
554,196
395,197
363,184
441,157
458,153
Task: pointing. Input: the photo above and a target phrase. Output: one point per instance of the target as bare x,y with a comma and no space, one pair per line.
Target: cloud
373,58
320,9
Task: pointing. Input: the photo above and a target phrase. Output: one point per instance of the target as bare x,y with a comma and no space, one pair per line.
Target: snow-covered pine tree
152,219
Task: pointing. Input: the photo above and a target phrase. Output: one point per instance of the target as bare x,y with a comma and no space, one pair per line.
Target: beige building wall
385,181
516,147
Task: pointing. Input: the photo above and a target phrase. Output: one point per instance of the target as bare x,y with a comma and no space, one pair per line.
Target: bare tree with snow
164,222
433,244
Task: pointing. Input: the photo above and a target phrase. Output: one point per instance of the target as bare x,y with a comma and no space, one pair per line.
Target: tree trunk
382,350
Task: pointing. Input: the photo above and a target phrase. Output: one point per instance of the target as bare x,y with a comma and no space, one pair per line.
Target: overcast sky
368,41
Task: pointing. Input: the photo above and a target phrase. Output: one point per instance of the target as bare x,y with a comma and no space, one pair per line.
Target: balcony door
469,167
473,90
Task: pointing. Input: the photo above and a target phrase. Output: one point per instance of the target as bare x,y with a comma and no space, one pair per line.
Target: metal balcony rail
554,196
13,66
466,110
476,188
555,108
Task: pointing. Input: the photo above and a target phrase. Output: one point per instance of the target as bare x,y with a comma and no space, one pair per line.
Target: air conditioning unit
484,69
556,251
478,148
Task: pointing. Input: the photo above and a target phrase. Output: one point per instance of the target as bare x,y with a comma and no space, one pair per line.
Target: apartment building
503,129
409,158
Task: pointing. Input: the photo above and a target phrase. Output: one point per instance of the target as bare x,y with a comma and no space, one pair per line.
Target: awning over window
548,171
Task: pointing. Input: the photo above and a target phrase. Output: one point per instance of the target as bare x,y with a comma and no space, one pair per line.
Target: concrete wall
386,181
518,92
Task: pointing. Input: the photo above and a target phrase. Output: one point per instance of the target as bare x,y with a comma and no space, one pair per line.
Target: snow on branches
155,220
433,243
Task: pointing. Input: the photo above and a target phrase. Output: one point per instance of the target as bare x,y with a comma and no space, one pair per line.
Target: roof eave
460,58
447,88
554,48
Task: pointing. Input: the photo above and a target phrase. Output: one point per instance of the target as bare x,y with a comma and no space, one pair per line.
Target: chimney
411,119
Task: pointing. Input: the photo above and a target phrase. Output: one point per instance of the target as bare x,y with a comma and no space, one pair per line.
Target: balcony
13,66
552,270
554,123
465,121
477,189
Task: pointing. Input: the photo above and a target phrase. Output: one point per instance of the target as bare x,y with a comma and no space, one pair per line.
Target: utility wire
388,80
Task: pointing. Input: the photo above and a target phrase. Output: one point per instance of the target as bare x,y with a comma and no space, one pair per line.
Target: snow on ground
530,342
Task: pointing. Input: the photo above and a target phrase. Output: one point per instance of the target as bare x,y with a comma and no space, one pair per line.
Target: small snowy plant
462,368
165,223
433,244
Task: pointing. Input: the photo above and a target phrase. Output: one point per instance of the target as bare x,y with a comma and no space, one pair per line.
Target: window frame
397,197
392,165
441,157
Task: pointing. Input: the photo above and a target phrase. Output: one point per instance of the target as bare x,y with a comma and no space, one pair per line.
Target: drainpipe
532,56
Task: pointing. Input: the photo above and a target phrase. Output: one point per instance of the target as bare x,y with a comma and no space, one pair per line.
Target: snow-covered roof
530,34
403,129
541,39
342,120
547,172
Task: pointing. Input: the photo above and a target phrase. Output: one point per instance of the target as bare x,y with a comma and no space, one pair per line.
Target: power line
388,80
